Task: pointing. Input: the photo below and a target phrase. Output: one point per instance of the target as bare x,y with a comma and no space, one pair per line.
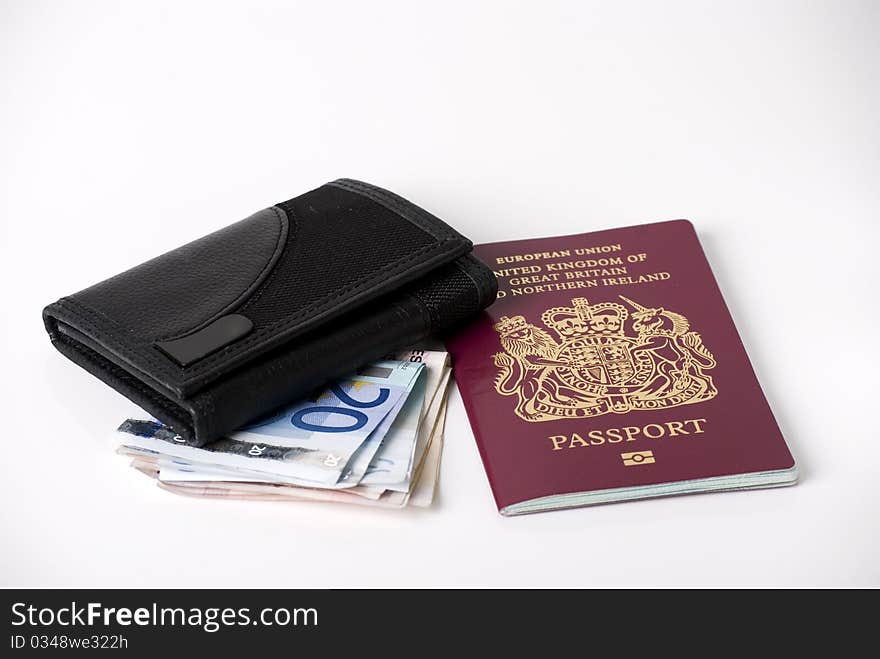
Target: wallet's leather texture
217,332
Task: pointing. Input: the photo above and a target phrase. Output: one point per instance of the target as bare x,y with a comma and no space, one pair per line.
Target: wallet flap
190,316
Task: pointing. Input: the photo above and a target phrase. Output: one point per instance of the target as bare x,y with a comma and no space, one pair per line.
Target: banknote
392,467
147,465
443,397
311,441
401,426
330,496
435,361
398,445
177,472
390,460
424,485
424,481
426,469
396,465
394,459
422,493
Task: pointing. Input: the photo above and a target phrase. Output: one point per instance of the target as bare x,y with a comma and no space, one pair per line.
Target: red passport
609,369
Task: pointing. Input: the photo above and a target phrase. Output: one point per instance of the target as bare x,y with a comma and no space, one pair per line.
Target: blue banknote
312,442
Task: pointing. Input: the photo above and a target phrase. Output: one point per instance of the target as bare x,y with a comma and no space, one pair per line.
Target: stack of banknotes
373,438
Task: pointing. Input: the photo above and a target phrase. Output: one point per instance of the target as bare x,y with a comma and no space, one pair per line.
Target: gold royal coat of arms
596,367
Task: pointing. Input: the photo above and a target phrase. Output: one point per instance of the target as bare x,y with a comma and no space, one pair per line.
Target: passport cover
609,368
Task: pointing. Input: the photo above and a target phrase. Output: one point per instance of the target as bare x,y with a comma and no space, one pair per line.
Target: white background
127,129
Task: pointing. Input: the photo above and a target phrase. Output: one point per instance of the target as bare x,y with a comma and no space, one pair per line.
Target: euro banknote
393,462
424,486
311,441
392,469
400,426
388,462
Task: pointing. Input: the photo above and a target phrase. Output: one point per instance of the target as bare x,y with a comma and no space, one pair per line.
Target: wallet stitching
405,209
265,285
483,285
280,243
467,274
339,292
106,333
323,304
435,228
135,355
400,206
423,311
136,384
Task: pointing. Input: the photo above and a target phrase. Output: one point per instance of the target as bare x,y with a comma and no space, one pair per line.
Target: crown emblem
507,326
585,319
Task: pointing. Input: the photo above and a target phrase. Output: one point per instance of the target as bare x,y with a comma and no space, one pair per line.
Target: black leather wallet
215,333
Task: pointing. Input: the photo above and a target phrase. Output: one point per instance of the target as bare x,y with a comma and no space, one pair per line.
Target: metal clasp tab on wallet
221,332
